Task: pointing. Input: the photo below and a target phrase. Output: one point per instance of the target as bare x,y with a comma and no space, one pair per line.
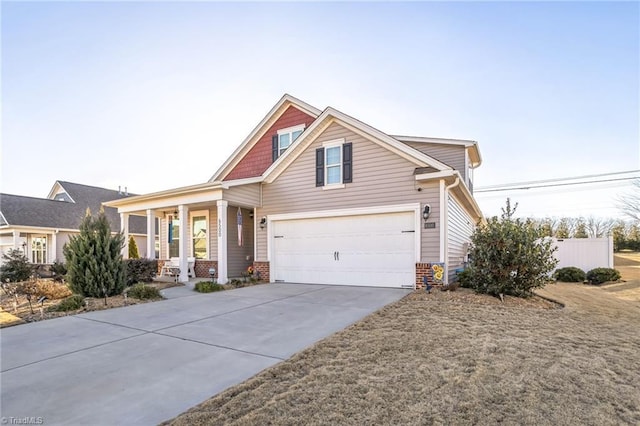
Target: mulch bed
91,304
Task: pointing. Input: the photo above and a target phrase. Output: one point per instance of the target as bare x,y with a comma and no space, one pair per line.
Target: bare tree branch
630,203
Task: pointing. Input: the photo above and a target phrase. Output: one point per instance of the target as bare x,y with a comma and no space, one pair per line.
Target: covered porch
212,223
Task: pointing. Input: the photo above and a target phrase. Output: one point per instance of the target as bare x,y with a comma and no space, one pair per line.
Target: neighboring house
315,196
41,226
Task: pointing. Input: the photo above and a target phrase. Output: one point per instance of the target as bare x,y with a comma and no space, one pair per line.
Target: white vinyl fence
584,253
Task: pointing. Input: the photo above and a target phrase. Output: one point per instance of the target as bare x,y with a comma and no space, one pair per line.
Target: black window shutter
274,148
320,167
347,163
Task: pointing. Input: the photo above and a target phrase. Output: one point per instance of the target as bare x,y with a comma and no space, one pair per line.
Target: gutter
445,225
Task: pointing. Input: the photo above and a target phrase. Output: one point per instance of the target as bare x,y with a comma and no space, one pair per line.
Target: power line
551,185
534,182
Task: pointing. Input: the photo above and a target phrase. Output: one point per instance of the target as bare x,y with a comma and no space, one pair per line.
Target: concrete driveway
147,363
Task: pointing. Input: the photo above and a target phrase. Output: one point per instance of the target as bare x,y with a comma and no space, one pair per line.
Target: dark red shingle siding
258,159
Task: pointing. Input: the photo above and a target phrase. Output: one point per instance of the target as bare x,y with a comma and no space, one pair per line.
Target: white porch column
16,236
183,215
54,248
124,228
222,241
151,234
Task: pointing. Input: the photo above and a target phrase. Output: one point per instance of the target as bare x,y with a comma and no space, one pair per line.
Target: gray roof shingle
19,210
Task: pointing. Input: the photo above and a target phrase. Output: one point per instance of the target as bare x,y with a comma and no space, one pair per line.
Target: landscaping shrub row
571,274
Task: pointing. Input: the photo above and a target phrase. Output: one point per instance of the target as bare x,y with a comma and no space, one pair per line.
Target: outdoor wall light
426,212
263,222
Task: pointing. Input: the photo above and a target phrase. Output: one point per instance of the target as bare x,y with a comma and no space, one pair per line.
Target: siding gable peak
282,106
331,115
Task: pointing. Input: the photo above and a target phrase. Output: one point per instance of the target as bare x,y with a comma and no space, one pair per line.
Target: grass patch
208,287
71,303
144,292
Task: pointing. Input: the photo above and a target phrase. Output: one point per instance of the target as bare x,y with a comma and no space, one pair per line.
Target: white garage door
367,250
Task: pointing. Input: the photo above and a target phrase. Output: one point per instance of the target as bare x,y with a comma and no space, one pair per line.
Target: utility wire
551,185
534,182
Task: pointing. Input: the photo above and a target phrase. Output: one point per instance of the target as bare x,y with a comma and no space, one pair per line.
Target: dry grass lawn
456,358
628,263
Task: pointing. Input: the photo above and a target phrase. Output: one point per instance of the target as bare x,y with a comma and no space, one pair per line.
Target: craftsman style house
315,196
40,227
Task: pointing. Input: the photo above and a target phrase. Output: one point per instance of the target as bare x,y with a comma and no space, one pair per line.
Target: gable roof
278,109
19,210
330,115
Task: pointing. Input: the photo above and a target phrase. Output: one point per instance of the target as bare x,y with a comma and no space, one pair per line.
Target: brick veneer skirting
423,269
202,268
263,269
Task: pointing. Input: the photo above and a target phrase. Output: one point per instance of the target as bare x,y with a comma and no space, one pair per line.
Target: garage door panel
370,250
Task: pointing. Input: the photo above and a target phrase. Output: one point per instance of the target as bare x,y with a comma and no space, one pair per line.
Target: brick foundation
202,268
263,270
424,269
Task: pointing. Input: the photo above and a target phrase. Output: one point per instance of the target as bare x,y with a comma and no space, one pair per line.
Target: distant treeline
626,234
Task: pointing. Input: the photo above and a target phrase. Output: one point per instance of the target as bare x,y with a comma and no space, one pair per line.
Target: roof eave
185,190
235,157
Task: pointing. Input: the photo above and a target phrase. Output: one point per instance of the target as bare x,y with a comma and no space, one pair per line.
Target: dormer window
284,139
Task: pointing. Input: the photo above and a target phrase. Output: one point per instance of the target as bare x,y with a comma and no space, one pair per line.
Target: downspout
446,227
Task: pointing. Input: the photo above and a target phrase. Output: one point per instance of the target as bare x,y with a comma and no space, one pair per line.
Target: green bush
570,274
94,259
133,248
508,256
140,270
59,271
71,303
602,275
15,267
208,287
144,292
464,278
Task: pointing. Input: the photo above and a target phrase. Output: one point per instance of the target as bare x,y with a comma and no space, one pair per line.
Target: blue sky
155,95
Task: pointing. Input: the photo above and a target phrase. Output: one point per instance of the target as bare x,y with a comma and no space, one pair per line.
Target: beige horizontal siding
380,178
239,258
459,230
243,195
451,155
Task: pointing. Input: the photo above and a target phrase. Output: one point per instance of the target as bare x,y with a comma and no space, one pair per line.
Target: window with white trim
287,136
333,165
174,236
39,249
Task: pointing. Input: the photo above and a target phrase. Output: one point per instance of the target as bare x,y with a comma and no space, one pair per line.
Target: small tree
509,257
133,249
94,259
16,267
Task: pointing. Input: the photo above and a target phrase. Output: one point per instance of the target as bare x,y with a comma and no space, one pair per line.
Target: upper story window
334,164
284,139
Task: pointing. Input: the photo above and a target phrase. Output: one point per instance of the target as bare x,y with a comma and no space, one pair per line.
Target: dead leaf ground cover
21,310
456,358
